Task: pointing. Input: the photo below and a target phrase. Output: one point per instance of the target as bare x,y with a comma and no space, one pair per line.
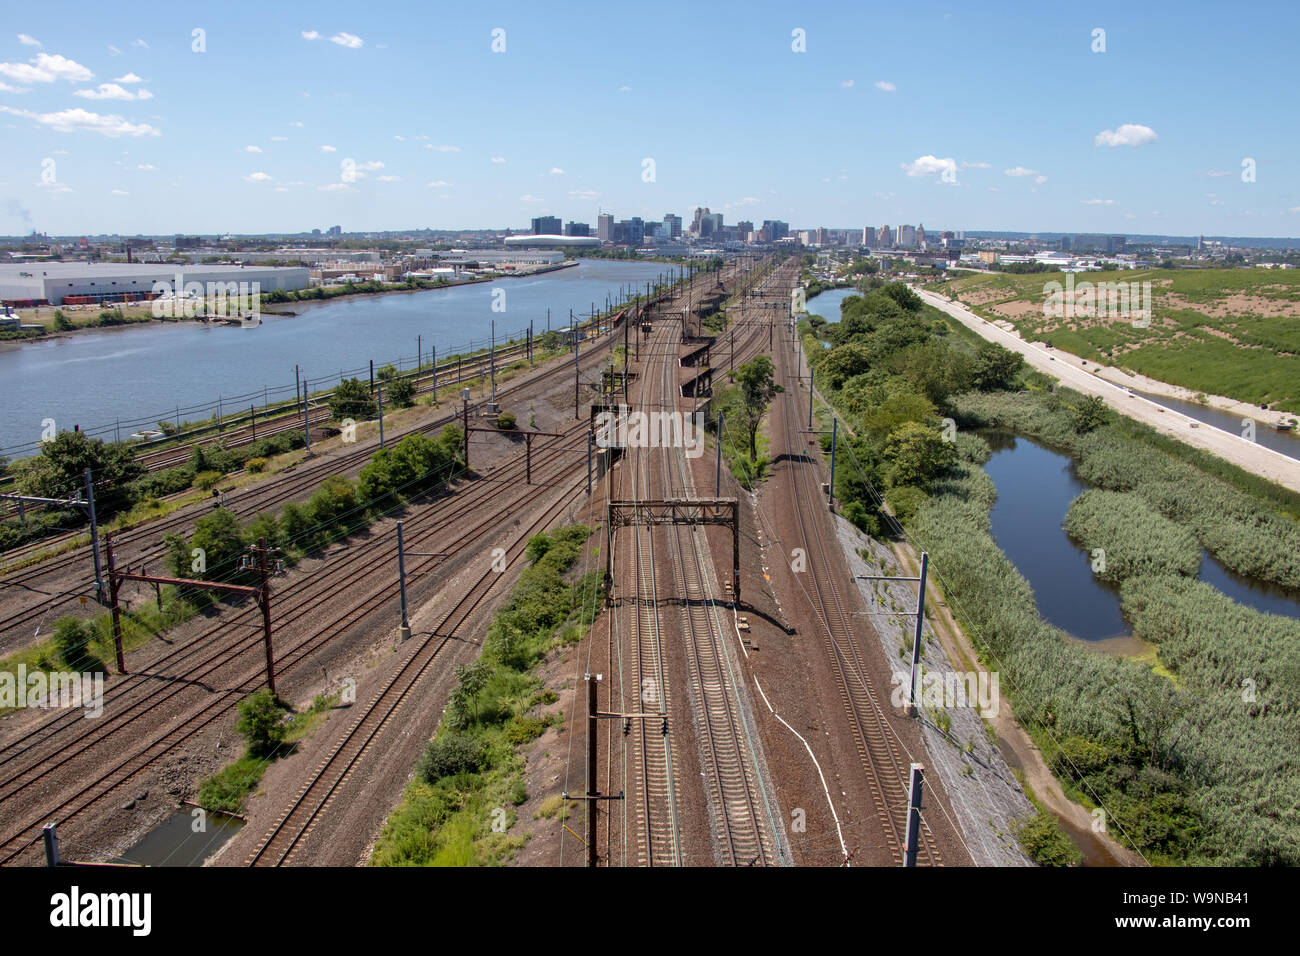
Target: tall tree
757,389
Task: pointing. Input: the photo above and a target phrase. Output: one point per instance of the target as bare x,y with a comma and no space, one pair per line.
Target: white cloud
583,194
390,179
1039,180
444,149
282,189
336,188
137,42
46,68
120,192
847,84
399,138
129,78
931,166
279,139
1020,171
966,165
885,85
27,40
1130,134
438,183
54,187
114,51
111,91
147,167
1098,202
625,89
257,178
349,40
329,149
1295,209
498,159
252,149
6,88
556,171
370,166
528,197
73,120
310,35
1217,173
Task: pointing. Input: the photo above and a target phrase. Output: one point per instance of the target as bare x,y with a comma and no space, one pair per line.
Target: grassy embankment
459,810
1197,769
1229,332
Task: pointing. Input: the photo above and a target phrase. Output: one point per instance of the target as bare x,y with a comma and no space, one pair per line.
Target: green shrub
450,754
72,637
1045,842
262,723
506,420
255,466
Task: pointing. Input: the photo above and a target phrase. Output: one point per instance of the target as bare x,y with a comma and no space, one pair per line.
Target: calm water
174,842
1035,489
827,305
142,374
1288,443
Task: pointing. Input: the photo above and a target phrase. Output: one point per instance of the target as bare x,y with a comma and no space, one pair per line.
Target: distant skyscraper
698,221
672,226
920,235
605,227
546,226
885,237
577,229
774,229
710,225
335,231
906,236
744,230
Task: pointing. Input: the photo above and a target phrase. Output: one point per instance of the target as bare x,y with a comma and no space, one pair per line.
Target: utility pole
381,416
590,442
593,795
435,374
252,420
915,786
916,640
94,537
717,477
810,396
113,585
306,422
372,376
464,397
405,630
264,601
492,363
575,372
835,426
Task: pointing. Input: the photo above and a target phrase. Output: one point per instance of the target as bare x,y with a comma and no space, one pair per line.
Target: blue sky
871,124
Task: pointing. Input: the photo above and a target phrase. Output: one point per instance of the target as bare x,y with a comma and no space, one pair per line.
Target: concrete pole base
404,633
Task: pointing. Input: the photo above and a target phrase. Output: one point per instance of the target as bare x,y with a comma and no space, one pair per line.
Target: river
1035,488
144,373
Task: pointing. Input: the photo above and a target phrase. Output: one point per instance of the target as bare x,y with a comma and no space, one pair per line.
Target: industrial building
51,283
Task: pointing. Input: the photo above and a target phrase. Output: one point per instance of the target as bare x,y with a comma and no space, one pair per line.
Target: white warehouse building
52,282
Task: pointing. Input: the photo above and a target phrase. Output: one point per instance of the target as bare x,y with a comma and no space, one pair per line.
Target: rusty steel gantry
719,511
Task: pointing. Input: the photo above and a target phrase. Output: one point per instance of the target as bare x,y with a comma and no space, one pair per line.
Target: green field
1233,332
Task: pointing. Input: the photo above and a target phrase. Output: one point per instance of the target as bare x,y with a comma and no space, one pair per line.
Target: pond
1035,488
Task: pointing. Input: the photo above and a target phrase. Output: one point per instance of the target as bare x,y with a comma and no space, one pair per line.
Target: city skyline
118,124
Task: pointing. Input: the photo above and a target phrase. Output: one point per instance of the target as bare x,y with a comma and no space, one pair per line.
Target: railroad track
150,752
878,748
286,489
250,679
658,831
297,822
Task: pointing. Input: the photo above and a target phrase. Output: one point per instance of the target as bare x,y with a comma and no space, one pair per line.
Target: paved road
1234,448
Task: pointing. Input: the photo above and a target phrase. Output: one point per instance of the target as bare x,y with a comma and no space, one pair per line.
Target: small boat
1284,426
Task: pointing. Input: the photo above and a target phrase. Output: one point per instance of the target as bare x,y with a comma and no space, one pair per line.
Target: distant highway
1242,452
